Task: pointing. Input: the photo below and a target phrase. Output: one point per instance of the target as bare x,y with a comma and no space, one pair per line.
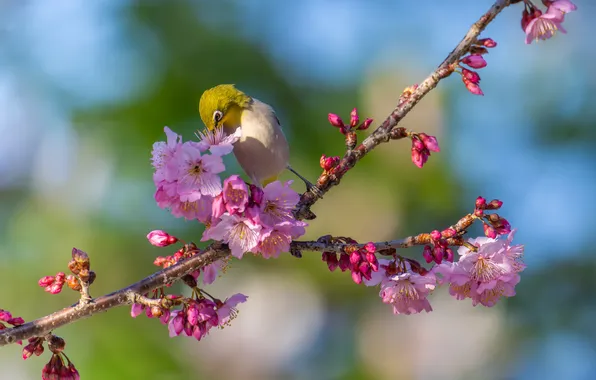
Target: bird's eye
217,115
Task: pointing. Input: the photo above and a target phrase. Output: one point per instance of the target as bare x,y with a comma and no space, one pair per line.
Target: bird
262,150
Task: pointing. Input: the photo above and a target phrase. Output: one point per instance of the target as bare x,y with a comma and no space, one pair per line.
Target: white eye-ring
217,115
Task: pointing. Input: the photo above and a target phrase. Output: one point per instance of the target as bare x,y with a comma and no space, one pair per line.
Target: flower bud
430,142
354,119
435,235
495,204
438,253
331,259
45,281
365,124
487,42
470,75
335,120
449,233
256,195
474,61
427,254
480,203
478,50
161,238
490,232
448,255
472,87
344,262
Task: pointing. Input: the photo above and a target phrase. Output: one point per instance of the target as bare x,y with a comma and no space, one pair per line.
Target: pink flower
176,324
235,194
407,292
226,311
217,142
354,118
163,152
161,238
486,275
196,173
241,234
211,271
539,26
199,209
273,241
278,202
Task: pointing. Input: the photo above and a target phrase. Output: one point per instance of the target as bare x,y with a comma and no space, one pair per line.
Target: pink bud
367,122
256,195
355,258
28,351
474,61
357,277
430,142
480,203
448,255
370,247
45,281
427,254
344,262
418,158
472,87
449,233
495,204
136,310
160,238
487,42
17,321
490,232
328,163
435,235
470,75
5,315
354,119
438,254
55,288
417,144
365,270
331,259
335,120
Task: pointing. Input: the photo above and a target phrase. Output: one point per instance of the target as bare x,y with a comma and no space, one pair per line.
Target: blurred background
86,87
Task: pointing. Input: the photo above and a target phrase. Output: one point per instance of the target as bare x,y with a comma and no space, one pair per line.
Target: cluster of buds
186,251
80,267
360,261
422,145
6,317
200,315
542,26
349,130
494,225
475,60
59,367
160,309
440,249
328,163
35,346
53,284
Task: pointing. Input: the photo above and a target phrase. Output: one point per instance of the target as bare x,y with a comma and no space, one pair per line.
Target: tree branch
407,101
217,251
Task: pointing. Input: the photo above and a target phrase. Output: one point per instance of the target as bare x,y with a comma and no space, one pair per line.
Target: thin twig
383,132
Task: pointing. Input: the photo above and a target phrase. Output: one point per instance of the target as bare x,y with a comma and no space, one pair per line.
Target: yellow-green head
222,105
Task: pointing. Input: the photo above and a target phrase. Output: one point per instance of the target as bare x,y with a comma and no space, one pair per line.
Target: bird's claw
314,189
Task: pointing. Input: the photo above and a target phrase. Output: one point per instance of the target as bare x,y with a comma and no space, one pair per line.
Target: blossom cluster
247,218
197,317
361,262
485,273
475,60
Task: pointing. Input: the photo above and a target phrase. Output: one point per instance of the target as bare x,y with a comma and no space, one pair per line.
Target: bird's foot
314,189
